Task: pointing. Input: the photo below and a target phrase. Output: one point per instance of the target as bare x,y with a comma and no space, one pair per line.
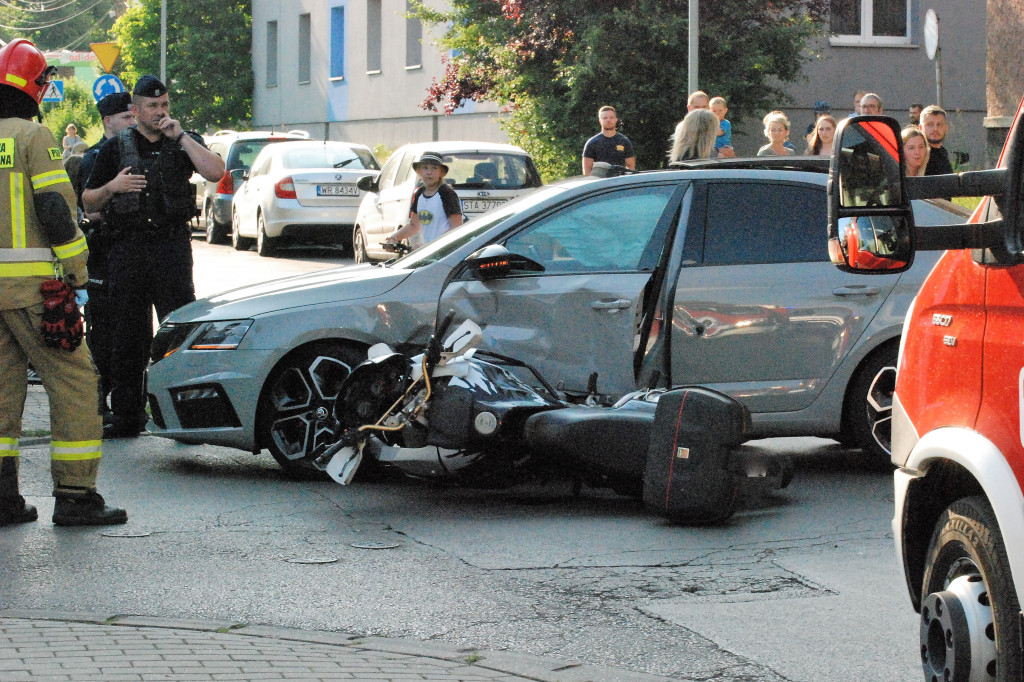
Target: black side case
688,477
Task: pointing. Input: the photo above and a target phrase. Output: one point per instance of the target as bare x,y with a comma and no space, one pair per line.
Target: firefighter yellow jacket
30,163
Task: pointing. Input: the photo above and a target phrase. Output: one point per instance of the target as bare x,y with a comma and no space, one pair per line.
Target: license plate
480,205
337,191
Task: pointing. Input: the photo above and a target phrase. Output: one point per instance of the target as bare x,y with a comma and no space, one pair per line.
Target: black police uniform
99,313
149,258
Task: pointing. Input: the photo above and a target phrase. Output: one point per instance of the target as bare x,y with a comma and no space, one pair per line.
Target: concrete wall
902,75
383,107
372,107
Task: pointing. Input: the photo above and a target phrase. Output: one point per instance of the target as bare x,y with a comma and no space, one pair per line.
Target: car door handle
857,290
617,304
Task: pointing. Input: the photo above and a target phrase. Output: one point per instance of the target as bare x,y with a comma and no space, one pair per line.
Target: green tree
209,64
79,108
57,24
553,63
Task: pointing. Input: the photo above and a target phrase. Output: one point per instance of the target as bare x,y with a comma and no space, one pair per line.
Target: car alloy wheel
213,231
294,415
359,247
239,242
867,418
265,246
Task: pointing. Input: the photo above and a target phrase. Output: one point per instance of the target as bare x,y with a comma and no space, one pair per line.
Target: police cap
149,86
114,104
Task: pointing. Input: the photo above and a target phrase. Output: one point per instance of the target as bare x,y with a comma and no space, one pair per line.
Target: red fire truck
957,413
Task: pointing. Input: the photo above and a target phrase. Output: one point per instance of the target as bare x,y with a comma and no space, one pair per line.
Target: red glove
62,320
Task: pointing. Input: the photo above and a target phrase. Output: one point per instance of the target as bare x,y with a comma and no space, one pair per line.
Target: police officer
100,315
38,229
140,181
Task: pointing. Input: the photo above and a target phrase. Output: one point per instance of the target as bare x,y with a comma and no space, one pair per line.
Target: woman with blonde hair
819,142
695,136
776,129
916,150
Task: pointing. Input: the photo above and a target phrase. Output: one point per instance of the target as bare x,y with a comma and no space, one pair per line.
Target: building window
373,36
271,54
304,48
337,42
413,38
870,22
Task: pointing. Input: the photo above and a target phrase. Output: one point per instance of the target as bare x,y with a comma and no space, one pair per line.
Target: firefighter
42,262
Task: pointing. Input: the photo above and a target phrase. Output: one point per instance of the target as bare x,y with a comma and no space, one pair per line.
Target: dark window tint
609,232
765,223
244,152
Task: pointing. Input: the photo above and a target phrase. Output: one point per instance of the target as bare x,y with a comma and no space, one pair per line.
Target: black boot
86,510
16,510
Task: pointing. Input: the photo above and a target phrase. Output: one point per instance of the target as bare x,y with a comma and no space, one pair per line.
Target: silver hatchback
717,275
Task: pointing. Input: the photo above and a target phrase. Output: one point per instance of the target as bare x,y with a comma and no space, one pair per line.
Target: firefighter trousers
71,385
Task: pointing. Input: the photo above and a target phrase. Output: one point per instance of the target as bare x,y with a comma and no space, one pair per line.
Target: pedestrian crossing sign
54,92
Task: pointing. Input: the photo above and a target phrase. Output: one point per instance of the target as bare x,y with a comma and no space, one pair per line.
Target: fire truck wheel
970,628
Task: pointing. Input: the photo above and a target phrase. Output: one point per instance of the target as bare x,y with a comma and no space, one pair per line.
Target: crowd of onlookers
698,136
705,132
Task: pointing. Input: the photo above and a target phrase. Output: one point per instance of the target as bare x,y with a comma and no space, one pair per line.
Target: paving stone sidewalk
44,646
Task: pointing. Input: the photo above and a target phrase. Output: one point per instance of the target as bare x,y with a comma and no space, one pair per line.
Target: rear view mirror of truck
871,221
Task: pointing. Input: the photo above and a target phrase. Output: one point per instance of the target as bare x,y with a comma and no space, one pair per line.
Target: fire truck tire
970,627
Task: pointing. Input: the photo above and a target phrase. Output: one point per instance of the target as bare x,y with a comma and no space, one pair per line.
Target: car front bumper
208,396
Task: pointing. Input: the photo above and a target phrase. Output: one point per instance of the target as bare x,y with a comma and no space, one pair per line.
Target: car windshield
490,170
333,156
455,239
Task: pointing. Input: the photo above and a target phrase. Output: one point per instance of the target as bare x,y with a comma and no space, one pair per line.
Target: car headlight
224,335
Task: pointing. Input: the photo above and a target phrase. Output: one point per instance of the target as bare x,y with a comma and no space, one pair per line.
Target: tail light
285,188
226,184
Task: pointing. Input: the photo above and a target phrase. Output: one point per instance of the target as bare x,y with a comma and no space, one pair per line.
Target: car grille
169,338
203,406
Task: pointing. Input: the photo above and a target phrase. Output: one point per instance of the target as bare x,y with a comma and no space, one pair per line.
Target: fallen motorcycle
457,412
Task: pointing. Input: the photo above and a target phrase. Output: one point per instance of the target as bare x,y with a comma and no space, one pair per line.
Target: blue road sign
54,92
106,84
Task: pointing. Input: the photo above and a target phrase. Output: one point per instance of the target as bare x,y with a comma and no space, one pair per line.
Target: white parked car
303,191
484,175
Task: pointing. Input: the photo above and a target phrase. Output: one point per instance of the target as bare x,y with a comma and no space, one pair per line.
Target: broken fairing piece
344,464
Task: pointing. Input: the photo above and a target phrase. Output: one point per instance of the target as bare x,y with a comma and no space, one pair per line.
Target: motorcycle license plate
480,205
337,191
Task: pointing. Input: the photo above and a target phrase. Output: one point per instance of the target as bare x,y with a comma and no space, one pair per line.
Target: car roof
454,146
232,136
306,144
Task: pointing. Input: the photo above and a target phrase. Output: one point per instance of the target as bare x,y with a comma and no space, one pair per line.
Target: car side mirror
368,183
239,175
870,219
495,261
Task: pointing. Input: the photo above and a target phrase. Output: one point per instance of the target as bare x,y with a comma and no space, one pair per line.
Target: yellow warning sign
107,53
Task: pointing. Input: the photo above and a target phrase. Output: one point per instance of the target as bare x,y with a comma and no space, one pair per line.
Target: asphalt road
802,584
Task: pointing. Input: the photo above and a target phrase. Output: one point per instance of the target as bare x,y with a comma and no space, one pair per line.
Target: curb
521,665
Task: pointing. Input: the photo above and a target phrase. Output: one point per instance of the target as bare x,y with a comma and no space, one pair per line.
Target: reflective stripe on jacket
30,163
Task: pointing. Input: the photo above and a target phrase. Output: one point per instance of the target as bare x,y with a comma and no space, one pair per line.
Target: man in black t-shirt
608,145
935,127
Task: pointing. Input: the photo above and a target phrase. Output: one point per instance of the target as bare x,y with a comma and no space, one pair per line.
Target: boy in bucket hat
435,207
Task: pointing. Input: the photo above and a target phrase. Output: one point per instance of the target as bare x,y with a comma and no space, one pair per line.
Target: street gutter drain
376,545
313,560
127,534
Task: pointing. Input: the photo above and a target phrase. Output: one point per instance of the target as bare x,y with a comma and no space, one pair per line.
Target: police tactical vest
169,200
